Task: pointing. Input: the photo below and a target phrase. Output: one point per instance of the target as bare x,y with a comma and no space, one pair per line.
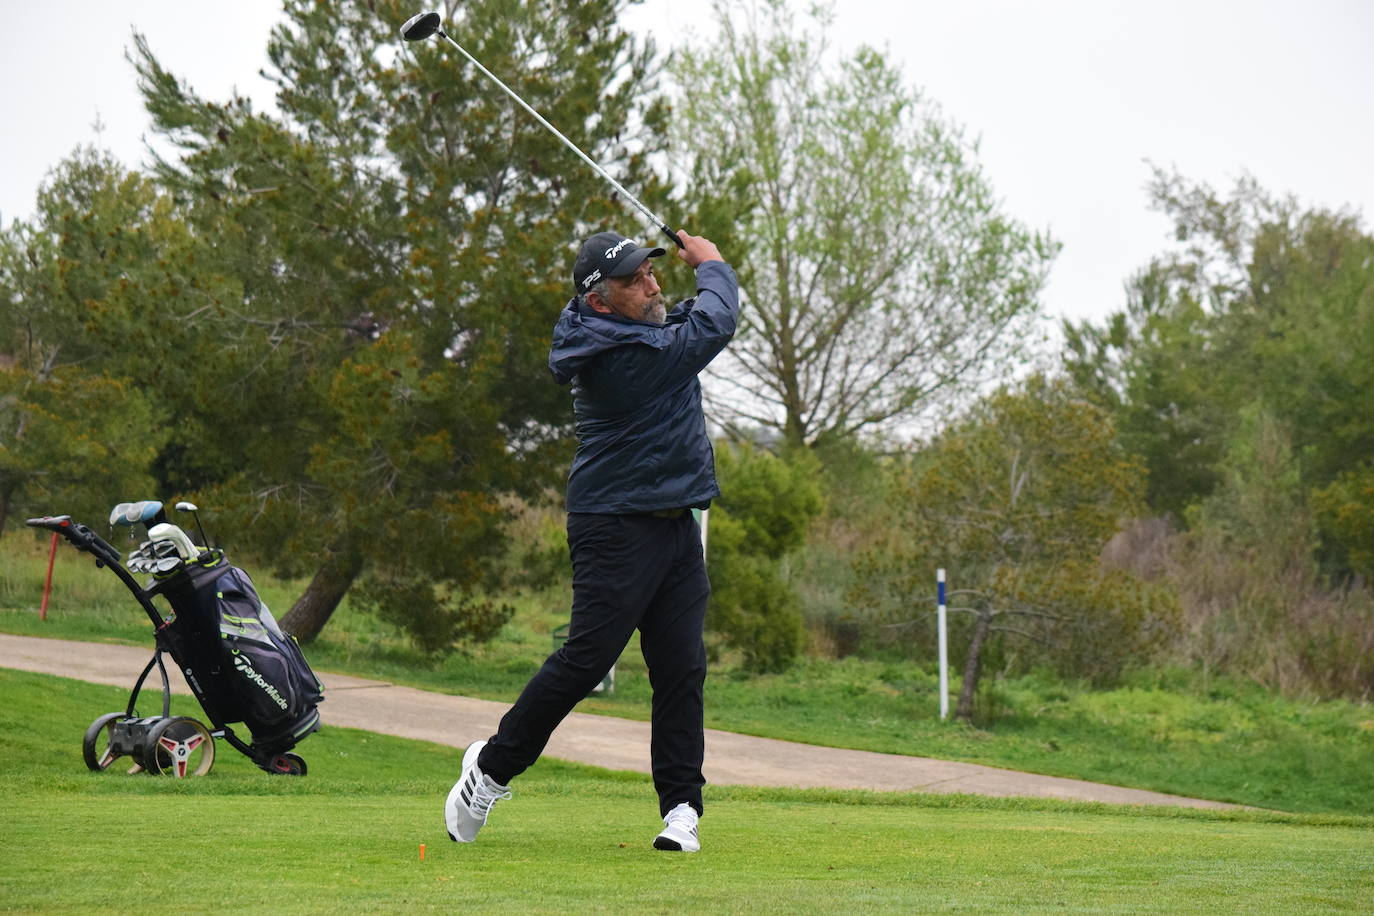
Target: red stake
47,586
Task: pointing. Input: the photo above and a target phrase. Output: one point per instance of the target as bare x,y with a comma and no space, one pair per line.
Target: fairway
347,838
361,853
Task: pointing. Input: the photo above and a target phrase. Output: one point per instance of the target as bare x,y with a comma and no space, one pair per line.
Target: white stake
944,643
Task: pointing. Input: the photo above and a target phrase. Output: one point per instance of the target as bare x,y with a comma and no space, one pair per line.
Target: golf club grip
672,235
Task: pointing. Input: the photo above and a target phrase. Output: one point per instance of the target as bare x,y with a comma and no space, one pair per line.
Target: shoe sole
668,844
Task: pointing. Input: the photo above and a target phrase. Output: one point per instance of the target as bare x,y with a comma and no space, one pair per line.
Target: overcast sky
1069,99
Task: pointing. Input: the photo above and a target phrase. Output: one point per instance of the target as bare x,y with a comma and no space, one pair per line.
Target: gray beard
655,310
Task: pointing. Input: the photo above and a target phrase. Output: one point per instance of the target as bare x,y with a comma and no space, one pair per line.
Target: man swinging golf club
643,462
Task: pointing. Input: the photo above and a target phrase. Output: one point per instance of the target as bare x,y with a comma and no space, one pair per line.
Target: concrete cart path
605,741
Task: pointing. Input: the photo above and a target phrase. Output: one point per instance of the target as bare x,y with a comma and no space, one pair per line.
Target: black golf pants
630,572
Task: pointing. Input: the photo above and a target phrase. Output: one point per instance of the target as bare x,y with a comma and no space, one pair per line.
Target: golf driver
423,25
194,510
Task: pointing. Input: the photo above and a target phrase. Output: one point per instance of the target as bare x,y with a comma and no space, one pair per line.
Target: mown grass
1172,732
346,838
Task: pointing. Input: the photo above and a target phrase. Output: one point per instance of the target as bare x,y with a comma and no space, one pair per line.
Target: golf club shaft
555,131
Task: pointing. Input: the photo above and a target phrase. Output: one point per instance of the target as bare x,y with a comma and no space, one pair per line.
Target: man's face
637,296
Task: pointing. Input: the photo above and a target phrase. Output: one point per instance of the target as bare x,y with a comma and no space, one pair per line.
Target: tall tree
365,371
1166,395
79,430
881,275
1240,373
1262,305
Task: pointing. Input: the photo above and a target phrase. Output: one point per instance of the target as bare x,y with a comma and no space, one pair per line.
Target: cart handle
82,537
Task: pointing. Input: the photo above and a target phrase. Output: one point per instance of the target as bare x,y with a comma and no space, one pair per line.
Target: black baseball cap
608,254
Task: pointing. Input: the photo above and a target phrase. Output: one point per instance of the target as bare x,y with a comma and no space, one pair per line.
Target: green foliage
1031,477
69,439
1261,302
1240,373
79,427
857,488
1165,401
1250,584
1260,502
99,232
344,308
753,609
538,529
771,497
1105,621
1346,510
762,516
801,162
1016,501
434,624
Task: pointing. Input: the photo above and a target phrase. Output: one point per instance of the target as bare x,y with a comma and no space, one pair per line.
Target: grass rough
346,838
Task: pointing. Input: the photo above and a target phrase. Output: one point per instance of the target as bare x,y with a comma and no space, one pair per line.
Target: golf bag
239,664
246,670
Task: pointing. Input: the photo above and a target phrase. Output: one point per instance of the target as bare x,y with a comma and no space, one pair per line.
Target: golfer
643,462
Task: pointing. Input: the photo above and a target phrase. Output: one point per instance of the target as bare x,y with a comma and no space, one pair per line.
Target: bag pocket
262,680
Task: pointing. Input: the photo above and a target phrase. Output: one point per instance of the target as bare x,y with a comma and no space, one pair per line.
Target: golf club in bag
423,25
236,660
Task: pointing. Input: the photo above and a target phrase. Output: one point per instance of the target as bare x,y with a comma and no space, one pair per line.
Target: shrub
766,505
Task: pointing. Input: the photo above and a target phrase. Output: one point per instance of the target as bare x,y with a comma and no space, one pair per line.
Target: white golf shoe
679,830
470,800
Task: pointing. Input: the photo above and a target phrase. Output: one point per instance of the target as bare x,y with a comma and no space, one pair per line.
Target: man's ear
597,303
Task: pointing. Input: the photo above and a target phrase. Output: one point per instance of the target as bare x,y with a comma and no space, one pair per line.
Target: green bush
766,504
1345,510
1111,621
434,622
1255,602
753,609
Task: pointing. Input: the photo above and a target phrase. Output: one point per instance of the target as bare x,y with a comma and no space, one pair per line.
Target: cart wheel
180,747
288,764
98,745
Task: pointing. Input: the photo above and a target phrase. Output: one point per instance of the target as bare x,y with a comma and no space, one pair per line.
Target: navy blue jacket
641,434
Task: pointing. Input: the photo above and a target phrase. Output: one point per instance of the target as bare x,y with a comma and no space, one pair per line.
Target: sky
1070,100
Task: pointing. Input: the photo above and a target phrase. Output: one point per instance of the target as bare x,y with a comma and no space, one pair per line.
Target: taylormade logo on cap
608,254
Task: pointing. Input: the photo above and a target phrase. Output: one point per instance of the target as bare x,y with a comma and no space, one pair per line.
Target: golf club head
184,506
420,26
133,513
167,532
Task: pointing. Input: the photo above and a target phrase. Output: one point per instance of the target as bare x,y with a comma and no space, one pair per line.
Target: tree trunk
313,609
973,666
6,494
